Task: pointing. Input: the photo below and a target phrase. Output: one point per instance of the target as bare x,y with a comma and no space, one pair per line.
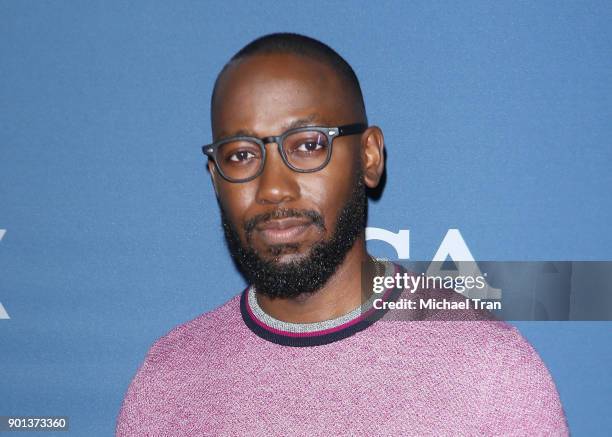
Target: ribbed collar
312,334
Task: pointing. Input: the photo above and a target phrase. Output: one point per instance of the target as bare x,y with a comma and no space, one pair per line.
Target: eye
241,155
309,147
305,145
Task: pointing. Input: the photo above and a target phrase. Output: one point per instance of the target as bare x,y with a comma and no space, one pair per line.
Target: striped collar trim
312,334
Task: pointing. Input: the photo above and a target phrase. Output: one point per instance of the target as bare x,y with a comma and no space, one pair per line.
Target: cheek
328,190
235,200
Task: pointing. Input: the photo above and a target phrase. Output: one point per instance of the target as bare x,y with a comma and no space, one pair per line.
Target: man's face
283,217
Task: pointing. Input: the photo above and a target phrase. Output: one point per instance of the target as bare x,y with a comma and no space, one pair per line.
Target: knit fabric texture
234,372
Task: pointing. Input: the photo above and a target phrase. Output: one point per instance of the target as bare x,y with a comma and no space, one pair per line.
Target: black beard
306,275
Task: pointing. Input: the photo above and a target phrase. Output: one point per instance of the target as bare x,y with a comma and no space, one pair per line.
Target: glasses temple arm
351,129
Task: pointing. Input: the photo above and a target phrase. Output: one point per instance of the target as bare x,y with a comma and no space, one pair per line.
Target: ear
214,176
372,149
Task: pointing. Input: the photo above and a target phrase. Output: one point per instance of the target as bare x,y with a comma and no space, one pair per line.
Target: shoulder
207,331
486,368
170,366
485,344
513,379
501,346
483,341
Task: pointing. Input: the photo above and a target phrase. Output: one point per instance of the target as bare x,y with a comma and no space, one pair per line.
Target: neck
341,293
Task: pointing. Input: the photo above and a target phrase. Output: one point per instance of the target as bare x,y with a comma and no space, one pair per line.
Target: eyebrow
300,122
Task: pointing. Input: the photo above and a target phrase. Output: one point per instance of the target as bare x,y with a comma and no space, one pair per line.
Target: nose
277,182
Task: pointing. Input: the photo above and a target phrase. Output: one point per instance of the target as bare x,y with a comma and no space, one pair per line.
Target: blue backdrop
498,122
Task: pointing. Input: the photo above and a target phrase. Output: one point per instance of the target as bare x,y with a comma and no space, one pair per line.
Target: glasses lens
306,150
239,159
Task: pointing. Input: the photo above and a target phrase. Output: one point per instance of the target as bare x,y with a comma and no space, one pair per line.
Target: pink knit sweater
235,371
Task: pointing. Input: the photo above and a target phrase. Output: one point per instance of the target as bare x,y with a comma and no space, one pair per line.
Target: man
295,354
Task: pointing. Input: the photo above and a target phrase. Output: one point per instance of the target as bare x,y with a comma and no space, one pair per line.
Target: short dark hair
301,45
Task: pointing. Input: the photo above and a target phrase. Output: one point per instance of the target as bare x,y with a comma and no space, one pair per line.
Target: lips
283,231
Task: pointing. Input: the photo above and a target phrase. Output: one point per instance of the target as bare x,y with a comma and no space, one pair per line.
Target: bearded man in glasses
295,354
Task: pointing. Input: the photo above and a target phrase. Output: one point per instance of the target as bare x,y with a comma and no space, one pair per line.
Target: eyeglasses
304,150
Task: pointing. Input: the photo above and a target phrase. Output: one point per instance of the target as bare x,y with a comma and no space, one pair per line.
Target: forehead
264,94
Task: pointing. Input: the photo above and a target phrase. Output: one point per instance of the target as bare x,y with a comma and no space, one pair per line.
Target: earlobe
373,143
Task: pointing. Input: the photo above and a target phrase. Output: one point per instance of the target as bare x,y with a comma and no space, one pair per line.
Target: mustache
315,217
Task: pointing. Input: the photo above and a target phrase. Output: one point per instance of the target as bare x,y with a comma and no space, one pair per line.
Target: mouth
283,231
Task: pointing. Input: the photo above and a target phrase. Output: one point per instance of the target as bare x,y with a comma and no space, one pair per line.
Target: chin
286,254
288,259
